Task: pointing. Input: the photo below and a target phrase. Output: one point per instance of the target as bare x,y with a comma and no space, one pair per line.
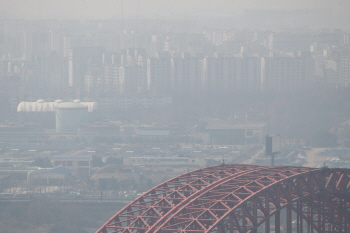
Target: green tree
97,161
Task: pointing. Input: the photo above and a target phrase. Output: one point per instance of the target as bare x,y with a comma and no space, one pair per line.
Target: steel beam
240,198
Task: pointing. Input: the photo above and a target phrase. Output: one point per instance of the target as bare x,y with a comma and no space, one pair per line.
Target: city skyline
99,108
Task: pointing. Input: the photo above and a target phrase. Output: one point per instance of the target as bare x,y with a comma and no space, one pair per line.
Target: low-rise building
236,134
52,176
164,161
79,164
5,182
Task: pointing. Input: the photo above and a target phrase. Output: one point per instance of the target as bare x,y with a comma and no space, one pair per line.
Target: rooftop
58,170
235,126
43,106
151,132
72,156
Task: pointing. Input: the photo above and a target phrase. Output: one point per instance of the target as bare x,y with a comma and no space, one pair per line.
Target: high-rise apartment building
102,82
3,69
82,60
139,74
290,41
344,70
231,74
286,73
186,75
159,75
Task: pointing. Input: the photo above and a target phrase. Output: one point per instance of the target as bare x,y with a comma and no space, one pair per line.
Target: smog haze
104,102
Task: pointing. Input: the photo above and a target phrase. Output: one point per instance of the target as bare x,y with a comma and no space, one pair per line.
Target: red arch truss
241,198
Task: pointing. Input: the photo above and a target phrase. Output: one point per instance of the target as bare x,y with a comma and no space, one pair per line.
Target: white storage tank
69,116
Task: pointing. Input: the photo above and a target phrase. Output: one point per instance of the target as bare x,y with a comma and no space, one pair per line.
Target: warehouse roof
72,156
149,132
43,106
235,126
58,170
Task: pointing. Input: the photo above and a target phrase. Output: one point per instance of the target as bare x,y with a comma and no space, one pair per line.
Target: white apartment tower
344,71
286,73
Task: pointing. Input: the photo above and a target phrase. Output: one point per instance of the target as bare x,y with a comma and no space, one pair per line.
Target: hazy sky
106,9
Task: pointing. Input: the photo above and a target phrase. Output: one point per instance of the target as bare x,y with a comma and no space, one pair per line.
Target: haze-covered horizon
320,13
107,9
101,101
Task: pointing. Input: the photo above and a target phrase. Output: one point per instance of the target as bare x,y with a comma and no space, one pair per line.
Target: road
314,158
70,199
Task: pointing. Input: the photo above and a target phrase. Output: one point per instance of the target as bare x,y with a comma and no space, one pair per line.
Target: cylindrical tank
69,116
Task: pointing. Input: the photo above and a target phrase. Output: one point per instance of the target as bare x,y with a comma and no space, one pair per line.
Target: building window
57,163
83,163
249,133
69,163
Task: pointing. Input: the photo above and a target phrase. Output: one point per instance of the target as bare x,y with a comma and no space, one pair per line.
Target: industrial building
236,134
79,164
153,132
164,161
66,116
5,182
69,116
99,129
49,106
52,176
27,132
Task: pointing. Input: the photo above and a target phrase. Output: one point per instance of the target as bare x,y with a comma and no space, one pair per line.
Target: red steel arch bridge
241,198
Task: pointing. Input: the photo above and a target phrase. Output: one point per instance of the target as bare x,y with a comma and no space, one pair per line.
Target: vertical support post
289,208
289,218
255,215
278,213
346,216
321,217
272,159
341,214
311,216
267,213
221,228
231,224
278,222
300,216
309,219
333,220
244,215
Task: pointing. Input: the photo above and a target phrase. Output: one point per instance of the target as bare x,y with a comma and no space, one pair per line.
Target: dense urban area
94,113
